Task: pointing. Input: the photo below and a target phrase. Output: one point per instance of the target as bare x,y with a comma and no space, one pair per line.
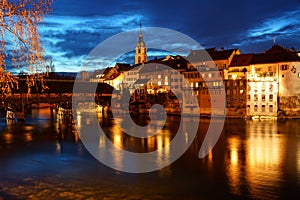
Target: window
263,88
228,92
271,97
269,68
249,88
234,92
263,97
241,91
271,87
215,83
263,108
255,108
209,75
271,108
159,76
249,97
284,67
299,75
255,97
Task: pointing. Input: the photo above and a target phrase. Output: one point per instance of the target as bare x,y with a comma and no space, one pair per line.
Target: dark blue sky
76,27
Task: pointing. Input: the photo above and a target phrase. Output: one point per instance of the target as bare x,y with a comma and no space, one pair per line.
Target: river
42,158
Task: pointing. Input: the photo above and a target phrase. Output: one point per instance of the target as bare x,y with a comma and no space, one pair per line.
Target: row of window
131,79
262,108
132,73
234,92
234,83
197,75
261,88
262,97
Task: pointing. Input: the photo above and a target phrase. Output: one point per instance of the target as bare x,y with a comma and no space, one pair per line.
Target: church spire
140,49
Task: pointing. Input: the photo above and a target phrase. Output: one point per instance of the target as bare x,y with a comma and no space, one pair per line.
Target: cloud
287,24
76,26
68,39
283,29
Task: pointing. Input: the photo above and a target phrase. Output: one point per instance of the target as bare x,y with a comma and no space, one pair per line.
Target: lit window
159,76
209,75
270,69
159,83
241,91
299,75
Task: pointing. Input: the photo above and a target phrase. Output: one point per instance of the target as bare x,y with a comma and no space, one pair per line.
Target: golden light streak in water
233,164
264,151
28,137
8,137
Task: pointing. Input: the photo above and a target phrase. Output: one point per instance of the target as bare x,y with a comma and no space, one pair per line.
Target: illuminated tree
20,42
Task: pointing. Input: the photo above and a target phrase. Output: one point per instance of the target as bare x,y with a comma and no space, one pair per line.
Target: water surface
44,159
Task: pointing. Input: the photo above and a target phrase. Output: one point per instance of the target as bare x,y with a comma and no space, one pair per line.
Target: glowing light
234,76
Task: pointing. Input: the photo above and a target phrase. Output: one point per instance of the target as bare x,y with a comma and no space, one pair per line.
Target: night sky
76,26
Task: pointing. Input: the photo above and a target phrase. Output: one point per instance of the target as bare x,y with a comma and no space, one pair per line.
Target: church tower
140,49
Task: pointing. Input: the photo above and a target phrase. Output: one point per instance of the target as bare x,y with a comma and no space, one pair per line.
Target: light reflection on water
252,160
256,162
